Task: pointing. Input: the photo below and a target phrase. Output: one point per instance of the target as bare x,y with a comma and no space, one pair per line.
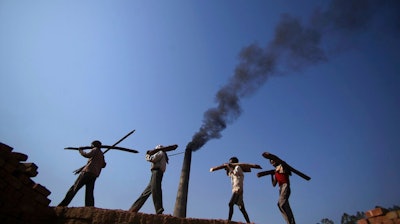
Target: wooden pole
165,149
246,167
104,146
265,173
123,138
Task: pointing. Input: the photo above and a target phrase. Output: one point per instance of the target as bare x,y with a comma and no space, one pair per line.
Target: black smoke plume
295,46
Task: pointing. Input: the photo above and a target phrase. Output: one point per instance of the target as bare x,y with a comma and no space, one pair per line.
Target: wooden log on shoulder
164,148
271,156
265,173
246,167
104,146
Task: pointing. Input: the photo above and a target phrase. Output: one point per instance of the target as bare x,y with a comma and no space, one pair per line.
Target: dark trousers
153,188
84,178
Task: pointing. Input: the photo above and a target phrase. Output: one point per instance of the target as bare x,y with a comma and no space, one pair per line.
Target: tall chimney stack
182,195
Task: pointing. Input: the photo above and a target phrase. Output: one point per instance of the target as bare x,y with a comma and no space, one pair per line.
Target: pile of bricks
21,199
380,216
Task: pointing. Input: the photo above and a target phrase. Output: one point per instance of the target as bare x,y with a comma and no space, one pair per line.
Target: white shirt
158,160
237,179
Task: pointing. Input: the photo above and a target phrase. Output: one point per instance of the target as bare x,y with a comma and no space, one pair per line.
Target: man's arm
237,170
154,157
87,154
273,180
223,166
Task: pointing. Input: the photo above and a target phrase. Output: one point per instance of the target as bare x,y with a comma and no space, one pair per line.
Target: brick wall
21,199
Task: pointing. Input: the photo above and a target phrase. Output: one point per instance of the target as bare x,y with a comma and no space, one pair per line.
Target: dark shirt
96,161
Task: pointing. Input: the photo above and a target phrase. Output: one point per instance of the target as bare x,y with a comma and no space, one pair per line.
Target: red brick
19,156
10,166
387,221
30,169
14,182
41,189
42,200
9,202
4,173
377,220
15,195
26,180
3,184
392,215
375,212
5,148
133,218
27,208
363,221
2,161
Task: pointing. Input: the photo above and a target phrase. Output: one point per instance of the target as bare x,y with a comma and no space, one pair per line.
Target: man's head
233,160
96,143
273,162
159,147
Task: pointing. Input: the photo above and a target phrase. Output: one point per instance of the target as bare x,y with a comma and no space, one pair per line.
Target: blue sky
72,72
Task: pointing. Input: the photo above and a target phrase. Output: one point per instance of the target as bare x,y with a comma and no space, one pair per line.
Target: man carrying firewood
235,172
281,176
87,175
159,159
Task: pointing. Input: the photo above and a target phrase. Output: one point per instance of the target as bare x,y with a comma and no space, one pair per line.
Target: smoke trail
295,46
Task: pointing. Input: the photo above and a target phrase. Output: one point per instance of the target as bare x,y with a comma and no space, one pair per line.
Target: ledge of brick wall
93,215
21,199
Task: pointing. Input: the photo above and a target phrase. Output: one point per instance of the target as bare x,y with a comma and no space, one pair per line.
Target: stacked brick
380,216
21,199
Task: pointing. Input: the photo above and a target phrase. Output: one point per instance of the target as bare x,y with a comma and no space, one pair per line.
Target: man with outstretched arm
237,179
87,175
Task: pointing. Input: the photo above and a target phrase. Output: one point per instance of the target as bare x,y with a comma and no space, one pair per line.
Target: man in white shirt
159,160
237,178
